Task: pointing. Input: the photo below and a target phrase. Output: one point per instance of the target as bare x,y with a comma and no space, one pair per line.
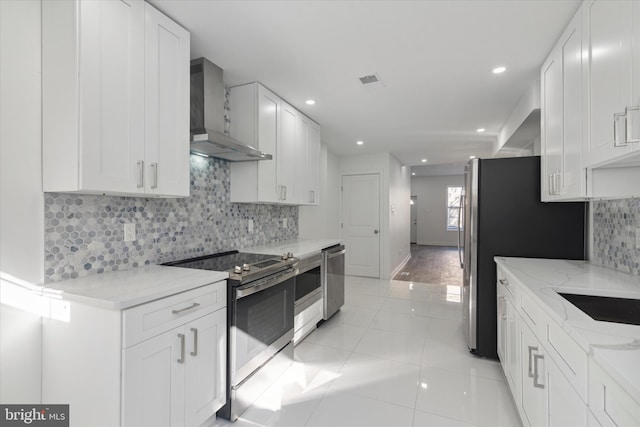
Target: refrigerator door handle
461,206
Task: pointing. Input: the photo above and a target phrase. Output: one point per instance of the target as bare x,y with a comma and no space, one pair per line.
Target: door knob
375,231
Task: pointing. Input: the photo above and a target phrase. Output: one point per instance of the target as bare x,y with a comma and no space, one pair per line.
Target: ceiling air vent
371,82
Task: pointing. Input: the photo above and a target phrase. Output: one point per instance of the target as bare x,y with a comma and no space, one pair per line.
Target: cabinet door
269,111
534,398
313,163
611,82
565,408
551,125
167,106
302,155
286,155
563,176
502,327
111,96
513,350
153,381
205,367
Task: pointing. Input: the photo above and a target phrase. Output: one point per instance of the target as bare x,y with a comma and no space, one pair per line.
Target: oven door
262,323
308,283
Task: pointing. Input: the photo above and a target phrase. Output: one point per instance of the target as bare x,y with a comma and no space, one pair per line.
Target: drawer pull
194,305
504,282
537,357
195,342
181,359
531,350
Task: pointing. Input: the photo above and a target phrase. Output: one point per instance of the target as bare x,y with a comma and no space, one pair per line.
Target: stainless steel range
260,311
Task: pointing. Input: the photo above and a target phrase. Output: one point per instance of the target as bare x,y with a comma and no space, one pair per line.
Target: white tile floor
394,356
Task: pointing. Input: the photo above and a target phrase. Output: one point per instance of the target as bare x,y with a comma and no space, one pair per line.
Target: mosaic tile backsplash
614,234
84,233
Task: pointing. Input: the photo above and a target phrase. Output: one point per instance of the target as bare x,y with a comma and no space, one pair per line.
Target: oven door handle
263,284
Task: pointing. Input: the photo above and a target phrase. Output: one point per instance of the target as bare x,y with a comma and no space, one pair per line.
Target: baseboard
400,266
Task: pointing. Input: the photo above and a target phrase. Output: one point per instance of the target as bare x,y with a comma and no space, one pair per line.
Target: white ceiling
434,58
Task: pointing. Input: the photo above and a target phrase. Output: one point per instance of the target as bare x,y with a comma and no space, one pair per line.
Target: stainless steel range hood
207,117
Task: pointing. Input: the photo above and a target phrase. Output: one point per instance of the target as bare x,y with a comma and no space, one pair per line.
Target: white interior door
361,224
414,219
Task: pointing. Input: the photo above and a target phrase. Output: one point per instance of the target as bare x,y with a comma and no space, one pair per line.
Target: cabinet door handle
504,282
154,169
195,342
312,197
181,359
285,192
140,173
616,119
531,350
194,305
537,357
551,189
629,111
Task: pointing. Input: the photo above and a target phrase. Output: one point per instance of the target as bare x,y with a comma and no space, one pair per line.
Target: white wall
323,221
21,198
431,192
399,214
394,185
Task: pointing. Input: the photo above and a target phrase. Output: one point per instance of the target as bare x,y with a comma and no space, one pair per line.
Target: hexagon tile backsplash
84,234
614,234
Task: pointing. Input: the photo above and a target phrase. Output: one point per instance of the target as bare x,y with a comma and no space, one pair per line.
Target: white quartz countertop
119,290
613,346
300,248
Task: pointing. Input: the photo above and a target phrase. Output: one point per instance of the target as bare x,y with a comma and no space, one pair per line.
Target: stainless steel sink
607,309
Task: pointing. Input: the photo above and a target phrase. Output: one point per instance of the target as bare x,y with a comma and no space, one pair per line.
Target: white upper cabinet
563,176
263,120
167,105
286,158
307,163
611,78
255,120
115,99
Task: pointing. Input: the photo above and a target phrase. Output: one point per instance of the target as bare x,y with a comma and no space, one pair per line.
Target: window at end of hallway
453,207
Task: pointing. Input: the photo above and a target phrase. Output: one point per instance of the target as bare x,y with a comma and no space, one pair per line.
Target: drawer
148,320
306,321
570,358
530,312
610,404
507,284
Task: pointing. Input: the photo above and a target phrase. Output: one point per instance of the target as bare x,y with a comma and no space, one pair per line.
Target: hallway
432,264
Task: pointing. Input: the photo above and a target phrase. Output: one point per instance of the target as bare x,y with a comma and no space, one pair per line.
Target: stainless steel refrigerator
502,216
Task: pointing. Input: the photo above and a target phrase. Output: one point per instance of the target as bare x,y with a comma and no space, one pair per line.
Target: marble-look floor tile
337,335
380,379
392,346
470,399
350,410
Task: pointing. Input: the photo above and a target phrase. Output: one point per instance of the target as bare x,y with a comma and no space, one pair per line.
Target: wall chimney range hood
207,117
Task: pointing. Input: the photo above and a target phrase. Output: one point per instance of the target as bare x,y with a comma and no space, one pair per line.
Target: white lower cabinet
609,403
160,363
176,378
543,382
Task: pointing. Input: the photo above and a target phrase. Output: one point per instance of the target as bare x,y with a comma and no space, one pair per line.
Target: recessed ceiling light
310,101
472,157
359,142
499,70
424,160
480,130
413,173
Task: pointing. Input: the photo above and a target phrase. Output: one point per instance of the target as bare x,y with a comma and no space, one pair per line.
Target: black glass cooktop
224,261
607,309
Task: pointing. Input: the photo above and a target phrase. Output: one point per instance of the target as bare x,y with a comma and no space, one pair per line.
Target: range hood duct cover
207,117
